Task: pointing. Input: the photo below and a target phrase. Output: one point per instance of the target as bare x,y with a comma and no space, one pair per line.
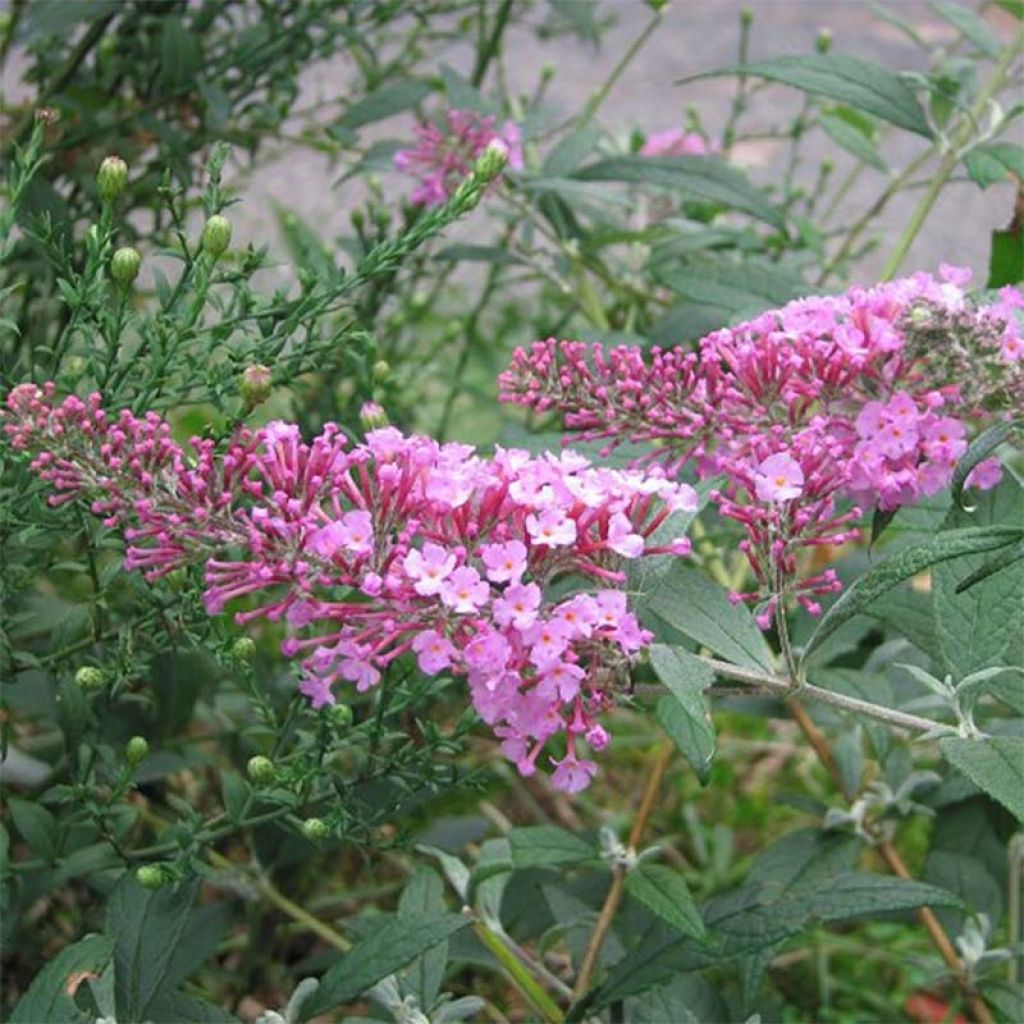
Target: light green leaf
700,609
970,26
424,895
862,84
686,715
909,562
548,846
385,102
665,892
387,950
993,161
995,764
855,135
698,177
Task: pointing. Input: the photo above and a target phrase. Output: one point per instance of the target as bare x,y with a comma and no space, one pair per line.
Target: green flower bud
255,385
124,265
657,5
315,829
824,41
111,178
490,163
216,235
261,770
136,750
372,416
340,716
746,17
244,648
151,876
90,679
381,371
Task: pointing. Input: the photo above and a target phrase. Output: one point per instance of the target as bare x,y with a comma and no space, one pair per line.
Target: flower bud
111,178
136,750
340,716
657,5
372,416
381,371
90,679
244,648
216,235
151,876
124,265
824,41
255,386
746,17
261,770
315,829
492,160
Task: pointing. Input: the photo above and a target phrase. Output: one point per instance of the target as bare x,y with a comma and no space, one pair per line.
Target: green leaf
979,450
235,792
175,1007
387,950
854,134
995,765
47,998
860,83
992,162
146,927
181,56
1006,258
700,609
699,177
424,896
665,892
37,826
385,102
909,562
548,846
974,29
686,715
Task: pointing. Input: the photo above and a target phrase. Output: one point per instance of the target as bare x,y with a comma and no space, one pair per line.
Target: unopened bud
492,160
111,178
255,385
746,17
824,41
90,679
151,876
315,829
657,5
381,371
244,648
124,265
340,716
136,750
216,235
261,770
372,416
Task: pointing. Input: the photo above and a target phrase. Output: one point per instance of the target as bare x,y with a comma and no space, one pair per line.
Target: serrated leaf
704,178
386,951
909,562
686,715
47,998
994,764
860,83
666,893
548,846
146,927
700,609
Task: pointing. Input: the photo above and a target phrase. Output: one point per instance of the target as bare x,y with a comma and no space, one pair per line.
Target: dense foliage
691,690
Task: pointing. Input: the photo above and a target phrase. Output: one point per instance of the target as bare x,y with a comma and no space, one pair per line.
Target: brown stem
614,897
892,858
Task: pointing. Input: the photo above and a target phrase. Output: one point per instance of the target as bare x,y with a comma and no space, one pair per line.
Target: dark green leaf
1006,258
686,715
700,609
176,1007
909,562
181,56
146,927
236,795
384,102
994,764
548,846
855,135
699,177
979,450
860,83
424,896
388,950
47,999
37,826
665,892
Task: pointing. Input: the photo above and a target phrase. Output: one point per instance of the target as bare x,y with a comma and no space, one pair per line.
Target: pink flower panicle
677,142
867,395
395,545
445,154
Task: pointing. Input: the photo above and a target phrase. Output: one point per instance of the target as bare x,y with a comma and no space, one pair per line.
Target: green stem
520,976
953,155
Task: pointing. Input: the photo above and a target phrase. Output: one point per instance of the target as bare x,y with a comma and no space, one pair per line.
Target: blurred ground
696,36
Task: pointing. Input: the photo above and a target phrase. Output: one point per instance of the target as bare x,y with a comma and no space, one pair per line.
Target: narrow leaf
665,892
548,846
686,715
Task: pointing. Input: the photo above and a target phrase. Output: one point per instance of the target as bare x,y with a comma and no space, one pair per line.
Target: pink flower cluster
395,545
677,142
864,395
444,155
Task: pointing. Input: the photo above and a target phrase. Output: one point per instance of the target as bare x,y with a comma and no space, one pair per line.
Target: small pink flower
621,537
1011,349
985,475
518,606
779,478
675,142
547,640
561,679
435,652
464,592
504,562
551,528
573,775
429,568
